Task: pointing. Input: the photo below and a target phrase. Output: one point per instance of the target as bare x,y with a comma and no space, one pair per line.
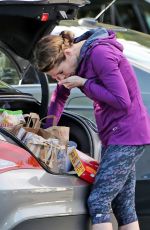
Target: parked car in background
31,196
132,14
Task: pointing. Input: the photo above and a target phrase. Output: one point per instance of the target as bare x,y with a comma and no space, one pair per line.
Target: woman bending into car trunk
95,63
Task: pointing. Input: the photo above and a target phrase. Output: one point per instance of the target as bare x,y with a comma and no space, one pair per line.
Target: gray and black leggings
114,186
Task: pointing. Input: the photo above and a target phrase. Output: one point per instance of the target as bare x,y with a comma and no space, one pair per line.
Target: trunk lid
23,23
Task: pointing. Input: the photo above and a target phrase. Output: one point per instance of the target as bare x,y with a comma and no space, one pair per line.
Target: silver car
31,196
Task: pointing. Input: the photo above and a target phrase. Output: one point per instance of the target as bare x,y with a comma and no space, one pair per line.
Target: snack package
85,166
9,118
71,145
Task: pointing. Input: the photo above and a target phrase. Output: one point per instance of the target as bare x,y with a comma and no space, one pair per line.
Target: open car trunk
82,131
48,185
22,24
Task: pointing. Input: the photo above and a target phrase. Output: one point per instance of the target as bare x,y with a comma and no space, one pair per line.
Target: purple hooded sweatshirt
120,114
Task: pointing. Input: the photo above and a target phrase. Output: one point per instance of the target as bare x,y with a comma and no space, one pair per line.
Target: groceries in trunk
85,166
51,146
9,118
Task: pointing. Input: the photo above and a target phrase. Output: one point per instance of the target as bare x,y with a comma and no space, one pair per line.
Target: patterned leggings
114,186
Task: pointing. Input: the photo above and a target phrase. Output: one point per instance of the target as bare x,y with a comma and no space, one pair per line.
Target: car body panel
74,222
19,156
37,194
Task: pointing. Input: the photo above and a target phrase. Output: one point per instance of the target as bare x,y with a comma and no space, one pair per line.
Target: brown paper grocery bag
58,132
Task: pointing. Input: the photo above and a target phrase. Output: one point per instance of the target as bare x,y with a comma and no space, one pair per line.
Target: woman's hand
72,82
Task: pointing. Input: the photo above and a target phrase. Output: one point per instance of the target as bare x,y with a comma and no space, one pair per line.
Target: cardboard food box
85,166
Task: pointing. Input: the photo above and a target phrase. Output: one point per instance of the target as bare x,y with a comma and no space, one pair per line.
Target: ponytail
49,51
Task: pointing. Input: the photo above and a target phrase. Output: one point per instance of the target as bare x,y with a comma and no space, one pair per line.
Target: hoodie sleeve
57,103
109,86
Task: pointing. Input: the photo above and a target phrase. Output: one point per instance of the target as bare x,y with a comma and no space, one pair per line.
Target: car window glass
30,76
146,13
81,105
128,16
8,70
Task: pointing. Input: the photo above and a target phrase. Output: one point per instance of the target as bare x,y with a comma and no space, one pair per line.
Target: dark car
31,196
132,14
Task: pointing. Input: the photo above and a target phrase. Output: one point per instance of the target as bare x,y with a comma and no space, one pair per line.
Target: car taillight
13,157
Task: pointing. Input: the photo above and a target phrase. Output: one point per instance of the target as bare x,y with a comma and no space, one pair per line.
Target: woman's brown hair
49,50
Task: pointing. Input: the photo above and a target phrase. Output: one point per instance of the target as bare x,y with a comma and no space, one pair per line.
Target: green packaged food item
9,118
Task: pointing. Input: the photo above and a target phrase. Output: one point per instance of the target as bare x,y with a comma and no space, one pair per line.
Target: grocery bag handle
50,116
32,117
36,121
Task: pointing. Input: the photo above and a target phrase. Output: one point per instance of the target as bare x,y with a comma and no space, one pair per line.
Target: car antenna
93,21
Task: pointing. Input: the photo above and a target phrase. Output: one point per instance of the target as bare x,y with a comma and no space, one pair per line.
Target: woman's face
66,68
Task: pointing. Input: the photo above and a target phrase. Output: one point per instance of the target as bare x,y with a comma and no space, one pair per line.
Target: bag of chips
85,166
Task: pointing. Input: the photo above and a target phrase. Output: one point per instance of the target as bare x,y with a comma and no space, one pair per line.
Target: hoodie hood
96,37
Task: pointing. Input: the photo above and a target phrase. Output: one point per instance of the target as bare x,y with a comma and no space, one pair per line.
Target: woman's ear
68,52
